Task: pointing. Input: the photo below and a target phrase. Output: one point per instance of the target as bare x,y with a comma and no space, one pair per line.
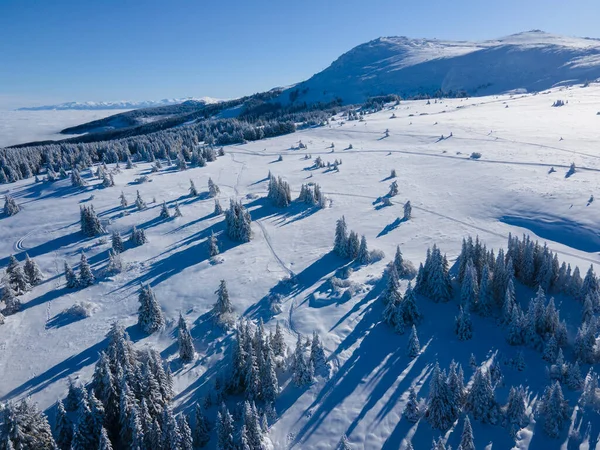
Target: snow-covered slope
531,61
508,190
119,104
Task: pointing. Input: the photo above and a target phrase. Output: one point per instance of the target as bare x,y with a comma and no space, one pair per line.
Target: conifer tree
10,206
213,248
278,342
340,245
186,344
201,433
393,189
463,326
411,410
63,428
408,308
439,410
213,189
481,401
117,242
138,237
485,297
123,199
554,407
33,274
16,278
104,443
407,211
317,356
238,222
466,438
414,347
86,277
223,305
353,245
177,212
363,256
302,370
185,434
470,288
515,407
150,316
225,430
139,202
193,190
218,209
164,211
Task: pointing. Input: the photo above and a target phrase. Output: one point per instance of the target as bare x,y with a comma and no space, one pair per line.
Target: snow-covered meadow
510,188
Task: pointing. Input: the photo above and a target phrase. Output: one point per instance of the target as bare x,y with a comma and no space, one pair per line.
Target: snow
530,61
18,127
122,104
508,190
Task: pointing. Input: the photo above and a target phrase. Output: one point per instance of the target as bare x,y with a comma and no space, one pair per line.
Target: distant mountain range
118,104
529,61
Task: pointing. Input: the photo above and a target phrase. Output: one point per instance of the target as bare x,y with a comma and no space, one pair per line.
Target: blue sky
63,50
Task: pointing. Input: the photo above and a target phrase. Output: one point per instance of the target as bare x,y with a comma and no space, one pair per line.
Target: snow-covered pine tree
185,434
408,308
407,211
139,202
213,248
138,237
15,277
104,442
164,212
440,407
466,438
76,180
485,295
363,257
218,209
193,190
554,407
23,426
177,212
63,428
393,189
201,433
225,430
353,245
117,242
213,189
515,409
278,341
115,264
302,370
340,245
317,357
10,206
123,199
186,344
414,347
150,315
481,401
238,222
411,409
573,377
223,304
463,326
86,277
470,289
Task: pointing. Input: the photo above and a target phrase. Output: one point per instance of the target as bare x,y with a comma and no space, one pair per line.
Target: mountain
530,61
118,104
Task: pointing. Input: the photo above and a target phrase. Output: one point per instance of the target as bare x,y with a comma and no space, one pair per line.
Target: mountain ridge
122,104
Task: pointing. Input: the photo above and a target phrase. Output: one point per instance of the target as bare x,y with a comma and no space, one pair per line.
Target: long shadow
62,319
371,295
391,227
67,367
44,298
47,247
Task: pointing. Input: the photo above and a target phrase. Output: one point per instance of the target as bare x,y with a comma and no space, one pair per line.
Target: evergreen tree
238,222
213,248
411,315
185,434
407,211
139,202
124,202
515,407
463,326
573,376
218,209
10,206
177,212
340,245
466,438
86,277
63,428
411,410
317,356
186,344
481,401
225,430
554,407
164,211
278,342
84,436
138,237
70,277
150,316
201,433
33,274
16,278
171,436
302,371
117,242
363,256
223,305
268,378
485,303
23,426
193,190
414,347
393,189
353,245
440,406
213,189
470,289
104,443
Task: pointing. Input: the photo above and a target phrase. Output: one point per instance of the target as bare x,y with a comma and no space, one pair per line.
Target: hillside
124,104
510,188
530,61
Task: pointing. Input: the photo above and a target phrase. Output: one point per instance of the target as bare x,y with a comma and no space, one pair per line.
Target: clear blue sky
63,50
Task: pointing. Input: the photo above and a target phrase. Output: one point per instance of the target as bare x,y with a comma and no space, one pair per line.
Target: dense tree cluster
433,278
279,192
89,222
238,222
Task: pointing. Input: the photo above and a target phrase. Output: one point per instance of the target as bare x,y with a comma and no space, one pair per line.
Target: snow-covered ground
18,127
509,189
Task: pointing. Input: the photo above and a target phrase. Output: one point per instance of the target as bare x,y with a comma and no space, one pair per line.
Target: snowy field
509,189
18,127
